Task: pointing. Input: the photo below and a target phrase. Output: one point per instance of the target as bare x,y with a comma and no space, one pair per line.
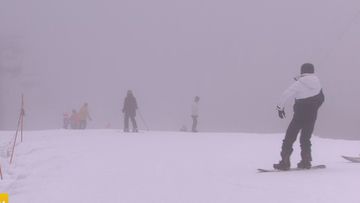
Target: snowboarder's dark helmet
197,98
307,68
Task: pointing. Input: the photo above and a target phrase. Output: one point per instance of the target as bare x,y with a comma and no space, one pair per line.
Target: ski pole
22,116
143,120
1,173
1,176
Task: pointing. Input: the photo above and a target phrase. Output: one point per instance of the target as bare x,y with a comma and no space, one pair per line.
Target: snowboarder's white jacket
195,109
307,85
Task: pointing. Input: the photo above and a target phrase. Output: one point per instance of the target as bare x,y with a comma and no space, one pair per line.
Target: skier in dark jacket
307,91
129,109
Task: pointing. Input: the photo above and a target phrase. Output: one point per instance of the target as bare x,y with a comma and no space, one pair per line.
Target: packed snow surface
109,166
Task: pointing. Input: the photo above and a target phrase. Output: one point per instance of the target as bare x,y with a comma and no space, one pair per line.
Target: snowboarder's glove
281,112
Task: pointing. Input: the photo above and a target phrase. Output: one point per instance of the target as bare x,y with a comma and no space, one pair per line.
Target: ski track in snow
110,166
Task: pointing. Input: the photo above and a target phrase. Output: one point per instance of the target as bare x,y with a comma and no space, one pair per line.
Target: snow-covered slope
169,167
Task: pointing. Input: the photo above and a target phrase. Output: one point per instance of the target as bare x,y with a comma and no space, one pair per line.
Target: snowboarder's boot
135,130
304,164
306,159
284,164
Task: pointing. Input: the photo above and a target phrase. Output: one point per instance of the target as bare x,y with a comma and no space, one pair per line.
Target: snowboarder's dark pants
133,121
305,114
306,126
83,124
195,122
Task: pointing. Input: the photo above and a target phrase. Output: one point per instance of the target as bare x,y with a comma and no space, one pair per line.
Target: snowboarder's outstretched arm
288,94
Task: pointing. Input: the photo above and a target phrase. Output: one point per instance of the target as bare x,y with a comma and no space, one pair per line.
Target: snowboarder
195,114
84,115
129,109
307,91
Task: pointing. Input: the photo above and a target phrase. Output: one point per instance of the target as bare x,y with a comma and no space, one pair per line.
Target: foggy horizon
238,57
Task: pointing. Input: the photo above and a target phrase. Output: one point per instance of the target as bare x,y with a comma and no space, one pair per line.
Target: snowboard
352,159
260,170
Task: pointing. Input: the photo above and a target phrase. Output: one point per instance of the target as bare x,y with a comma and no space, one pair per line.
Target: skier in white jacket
195,114
308,95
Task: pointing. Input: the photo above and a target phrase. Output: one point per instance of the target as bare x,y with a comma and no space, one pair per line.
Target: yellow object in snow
4,198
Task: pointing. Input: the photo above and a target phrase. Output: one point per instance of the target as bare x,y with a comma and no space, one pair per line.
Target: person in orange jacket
84,115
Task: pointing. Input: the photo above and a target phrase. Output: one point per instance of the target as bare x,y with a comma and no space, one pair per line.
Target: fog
238,56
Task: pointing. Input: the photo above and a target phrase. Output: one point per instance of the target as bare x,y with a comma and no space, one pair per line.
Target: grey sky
238,56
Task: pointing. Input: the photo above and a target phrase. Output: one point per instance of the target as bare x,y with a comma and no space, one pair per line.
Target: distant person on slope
84,115
66,120
129,110
195,114
307,91
74,120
